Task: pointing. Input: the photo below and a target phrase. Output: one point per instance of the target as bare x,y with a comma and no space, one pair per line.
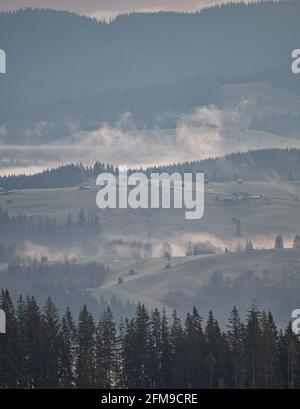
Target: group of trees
150,350
136,249
67,273
22,227
201,247
62,176
279,242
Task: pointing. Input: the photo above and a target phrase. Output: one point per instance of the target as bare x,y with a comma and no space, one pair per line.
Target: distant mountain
64,68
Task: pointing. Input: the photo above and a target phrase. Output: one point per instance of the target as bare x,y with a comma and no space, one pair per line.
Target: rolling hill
156,286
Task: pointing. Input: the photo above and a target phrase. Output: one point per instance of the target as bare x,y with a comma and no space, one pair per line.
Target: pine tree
166,353
81,222
179,378
253,344
128,376
106,352
34,344
270,351
85,364
279,243
215,350
142,338
51,345
249,246
296,243
68,335
194,343
155,349
23,359
236,345
291,357
96,224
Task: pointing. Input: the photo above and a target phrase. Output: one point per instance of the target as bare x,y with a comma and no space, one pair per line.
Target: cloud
198,133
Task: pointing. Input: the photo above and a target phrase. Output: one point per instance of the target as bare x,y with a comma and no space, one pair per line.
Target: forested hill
256,165
280,164
64,68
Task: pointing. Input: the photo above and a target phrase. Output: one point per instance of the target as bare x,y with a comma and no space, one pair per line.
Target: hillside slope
154,285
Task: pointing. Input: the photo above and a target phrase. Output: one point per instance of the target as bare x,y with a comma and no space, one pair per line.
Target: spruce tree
291,358
216,356
270,351
141,346
236,345
195,344
68,335
249,246
23,359
106,352
128,377
253,345
166,353
85,363
155,350
81,222
279,243
178,342
51,345
296,243
34,344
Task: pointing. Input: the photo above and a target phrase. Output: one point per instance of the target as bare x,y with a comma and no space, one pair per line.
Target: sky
104,9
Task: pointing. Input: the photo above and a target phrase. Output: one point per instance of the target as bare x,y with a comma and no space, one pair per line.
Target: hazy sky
106,8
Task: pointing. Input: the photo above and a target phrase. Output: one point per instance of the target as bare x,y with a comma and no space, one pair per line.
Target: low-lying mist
203,132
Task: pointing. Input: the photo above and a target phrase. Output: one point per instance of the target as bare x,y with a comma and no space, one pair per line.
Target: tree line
257,165
150,350
63,176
